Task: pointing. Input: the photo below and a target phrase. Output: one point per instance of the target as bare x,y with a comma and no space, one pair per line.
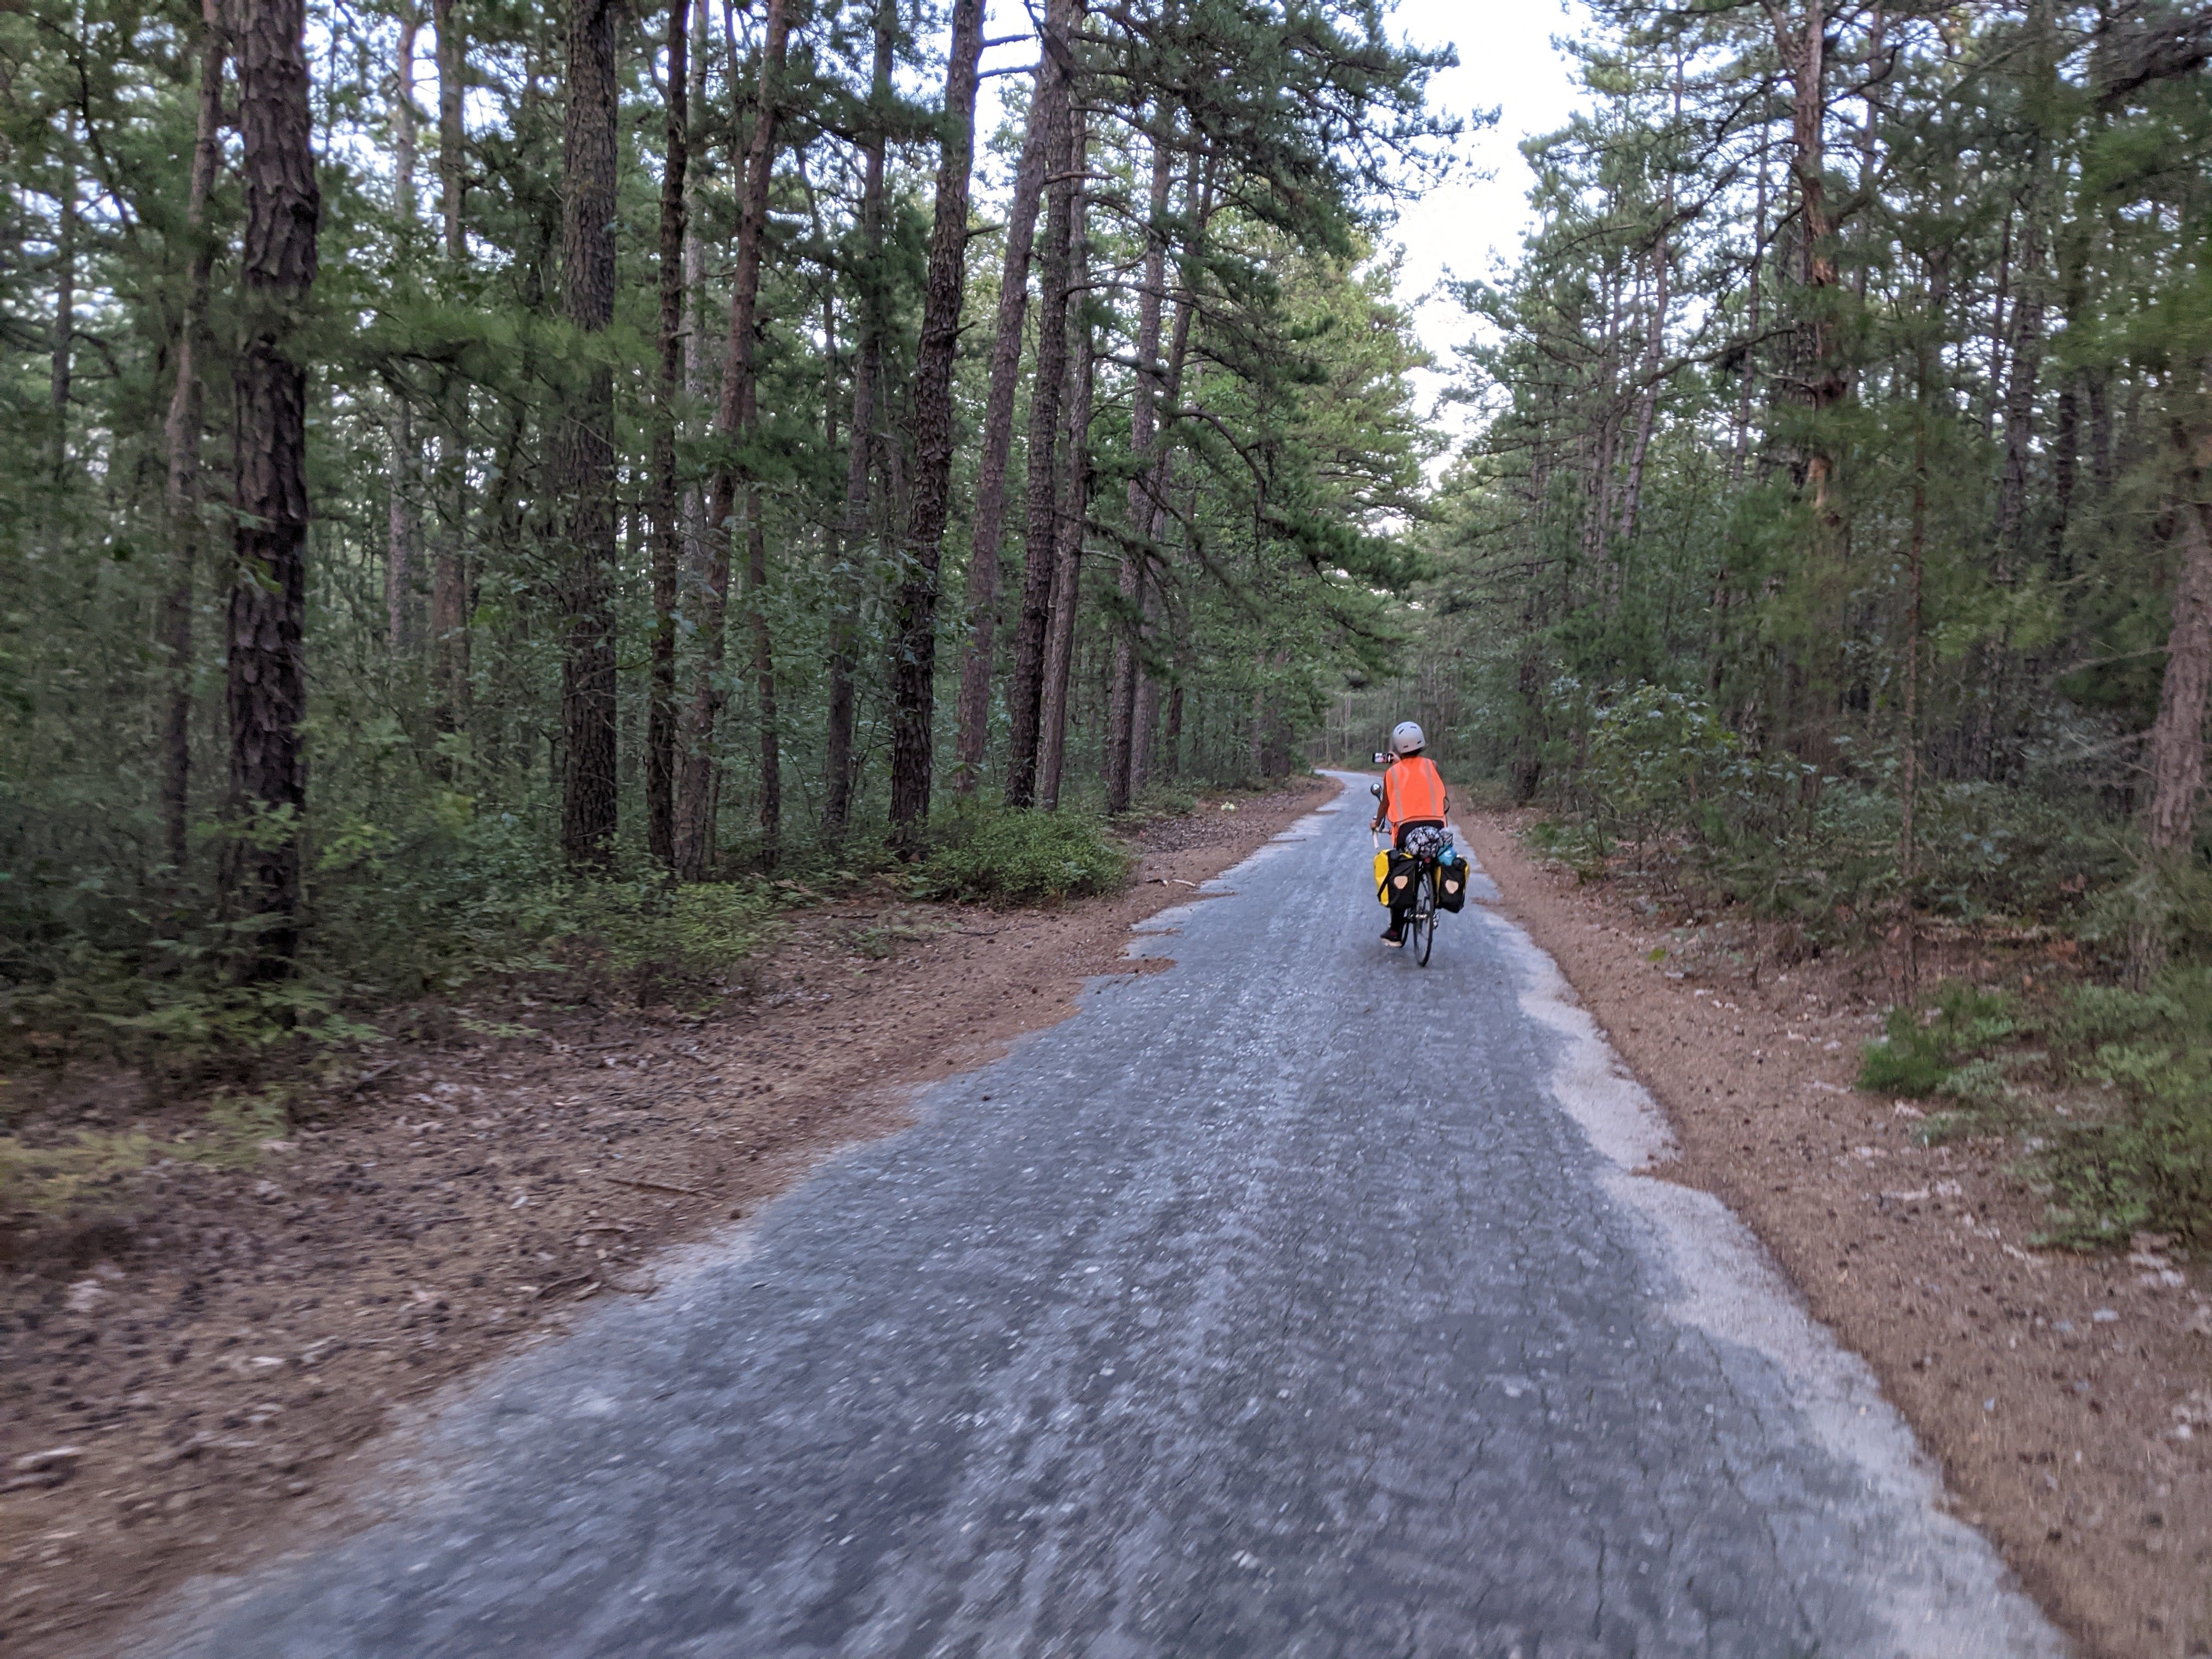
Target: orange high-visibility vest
1413,792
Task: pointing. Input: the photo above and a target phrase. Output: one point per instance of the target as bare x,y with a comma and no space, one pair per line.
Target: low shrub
2146,1164
1944,1051
1022,858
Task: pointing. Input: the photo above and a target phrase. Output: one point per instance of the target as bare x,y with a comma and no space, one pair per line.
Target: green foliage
2145,1164
695,932
1571,840
439,383
1944,1049
1660,761
1023,858
2128,1146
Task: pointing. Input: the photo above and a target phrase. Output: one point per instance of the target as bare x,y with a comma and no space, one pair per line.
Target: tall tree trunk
1742,446
1155,478
60,363
867,368
695,262
404,519
914,667
181,433
583,459
1915,560
449,581
2065,464
1075,498
1143,406
1648,405
667,514
2098,396
265,692
1040,539
2027,355
2176,755
1654,347
1801,45
2176,737
698,774
1146,714
990,522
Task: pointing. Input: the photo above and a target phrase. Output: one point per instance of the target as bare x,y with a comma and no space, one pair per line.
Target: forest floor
197,1365
2068,1397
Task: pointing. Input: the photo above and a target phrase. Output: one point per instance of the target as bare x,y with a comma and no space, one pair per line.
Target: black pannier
1398,886
1452,882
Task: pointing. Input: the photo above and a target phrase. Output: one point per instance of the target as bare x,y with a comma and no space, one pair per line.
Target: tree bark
1801,45
60,370
583,458
181,433
867,368
990,524
2020,389
1074,497
1144,407
404,519
2176,737
1741,446
914,667
265,692
1144,714
449,584
667,512
1047,383
698,775
1648,409
2176,750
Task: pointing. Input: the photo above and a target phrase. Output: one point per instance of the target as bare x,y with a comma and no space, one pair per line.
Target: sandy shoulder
2054,1389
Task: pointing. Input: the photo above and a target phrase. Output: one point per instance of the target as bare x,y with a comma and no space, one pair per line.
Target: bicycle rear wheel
1425,915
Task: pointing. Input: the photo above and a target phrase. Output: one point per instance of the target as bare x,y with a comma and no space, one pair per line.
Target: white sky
1472,223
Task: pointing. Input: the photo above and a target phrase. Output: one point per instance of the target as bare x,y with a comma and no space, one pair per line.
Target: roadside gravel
193,1366
2068,1397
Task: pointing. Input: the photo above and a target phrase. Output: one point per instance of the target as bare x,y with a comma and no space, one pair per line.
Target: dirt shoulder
2066,1396
201,1365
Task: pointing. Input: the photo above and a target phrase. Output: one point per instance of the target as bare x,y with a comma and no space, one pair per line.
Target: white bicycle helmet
1406,739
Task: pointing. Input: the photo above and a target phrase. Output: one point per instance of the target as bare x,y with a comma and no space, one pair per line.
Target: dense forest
468,465
1840,490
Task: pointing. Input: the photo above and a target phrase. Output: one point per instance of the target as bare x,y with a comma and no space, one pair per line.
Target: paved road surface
1294,1301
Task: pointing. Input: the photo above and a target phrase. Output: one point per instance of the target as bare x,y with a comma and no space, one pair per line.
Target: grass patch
1943,1051
690,932
1960,1050
53,1179
2127,1146
1023,858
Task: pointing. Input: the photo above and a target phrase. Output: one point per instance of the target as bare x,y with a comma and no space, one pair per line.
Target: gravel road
1293,1301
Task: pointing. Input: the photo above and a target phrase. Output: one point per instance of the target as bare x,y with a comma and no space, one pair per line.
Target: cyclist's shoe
1394,936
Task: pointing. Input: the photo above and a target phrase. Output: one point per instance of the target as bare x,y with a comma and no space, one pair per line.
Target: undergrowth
231,1135
2146,1164
1021,857
2117,1083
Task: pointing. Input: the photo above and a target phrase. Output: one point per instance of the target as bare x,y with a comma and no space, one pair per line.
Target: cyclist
1414,802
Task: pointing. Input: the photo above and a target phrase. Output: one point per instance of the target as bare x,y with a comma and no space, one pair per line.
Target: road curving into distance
1293,1301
